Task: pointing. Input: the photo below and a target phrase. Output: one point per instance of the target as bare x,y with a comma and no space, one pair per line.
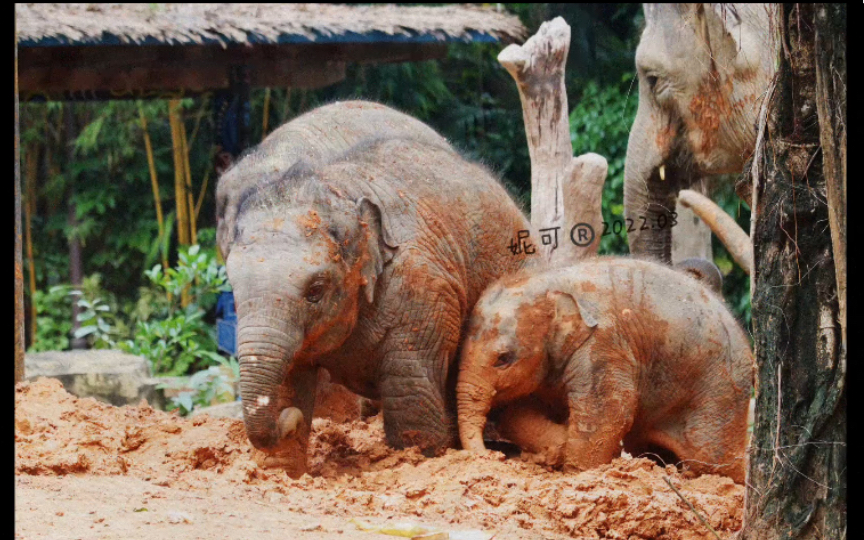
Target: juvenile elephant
321,134
366,265
619,350
704,71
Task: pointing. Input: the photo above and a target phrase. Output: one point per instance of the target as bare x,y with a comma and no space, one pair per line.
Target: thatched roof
42,25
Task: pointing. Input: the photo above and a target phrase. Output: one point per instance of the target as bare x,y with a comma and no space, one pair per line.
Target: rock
179,517
222,410
111,376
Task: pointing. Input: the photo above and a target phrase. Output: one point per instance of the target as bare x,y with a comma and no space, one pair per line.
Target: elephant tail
721,224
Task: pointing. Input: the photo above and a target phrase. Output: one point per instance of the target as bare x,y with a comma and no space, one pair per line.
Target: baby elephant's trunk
474,399
266,354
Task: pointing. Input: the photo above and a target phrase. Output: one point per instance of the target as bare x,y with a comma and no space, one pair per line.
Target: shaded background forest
91,184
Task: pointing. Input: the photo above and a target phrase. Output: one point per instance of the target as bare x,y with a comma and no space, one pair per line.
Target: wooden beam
118,72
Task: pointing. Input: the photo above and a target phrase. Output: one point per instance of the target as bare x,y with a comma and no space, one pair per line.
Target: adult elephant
703,72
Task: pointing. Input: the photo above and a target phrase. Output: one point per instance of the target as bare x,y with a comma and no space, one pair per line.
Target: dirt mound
353,474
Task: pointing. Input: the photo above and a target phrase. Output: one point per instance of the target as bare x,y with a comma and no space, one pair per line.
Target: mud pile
355,475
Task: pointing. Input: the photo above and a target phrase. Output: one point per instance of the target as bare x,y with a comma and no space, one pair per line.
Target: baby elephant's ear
379,247
567,303
704,271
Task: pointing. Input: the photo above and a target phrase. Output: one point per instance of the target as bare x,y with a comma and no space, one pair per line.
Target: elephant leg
412,380
691,237
526,423
715,438
602,397
334,401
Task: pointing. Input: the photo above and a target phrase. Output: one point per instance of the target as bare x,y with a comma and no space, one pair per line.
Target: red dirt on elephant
93,470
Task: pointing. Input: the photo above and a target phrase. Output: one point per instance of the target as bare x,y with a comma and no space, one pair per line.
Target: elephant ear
704,271
719,26
380,248
574,321
567,304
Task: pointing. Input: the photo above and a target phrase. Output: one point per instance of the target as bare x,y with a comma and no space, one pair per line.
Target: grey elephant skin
365,265
615,349
320,134
704,71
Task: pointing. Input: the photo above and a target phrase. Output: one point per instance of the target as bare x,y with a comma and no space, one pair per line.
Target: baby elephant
621,350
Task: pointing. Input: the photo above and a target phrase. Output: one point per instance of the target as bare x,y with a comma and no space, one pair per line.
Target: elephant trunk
474,401
266,356
728,232
651,180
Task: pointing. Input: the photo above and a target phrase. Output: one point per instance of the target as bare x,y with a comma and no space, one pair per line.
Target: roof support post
232,109
19,271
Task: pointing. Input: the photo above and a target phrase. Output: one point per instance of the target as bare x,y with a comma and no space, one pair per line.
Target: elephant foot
529,426
430,444
369,407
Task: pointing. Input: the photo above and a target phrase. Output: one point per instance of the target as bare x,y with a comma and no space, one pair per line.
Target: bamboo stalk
193,229
266,112
287,105
197,123
181,200
29,210
201,195
151,163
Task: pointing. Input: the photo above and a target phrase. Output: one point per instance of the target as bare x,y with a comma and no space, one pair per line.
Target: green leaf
84,331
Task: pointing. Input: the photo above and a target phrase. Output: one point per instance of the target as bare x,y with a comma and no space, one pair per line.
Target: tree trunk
76,265
831,107
797,471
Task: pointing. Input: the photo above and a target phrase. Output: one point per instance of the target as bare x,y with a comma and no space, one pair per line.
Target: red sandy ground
85,469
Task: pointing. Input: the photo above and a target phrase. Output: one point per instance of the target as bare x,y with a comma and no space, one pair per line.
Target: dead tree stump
565,191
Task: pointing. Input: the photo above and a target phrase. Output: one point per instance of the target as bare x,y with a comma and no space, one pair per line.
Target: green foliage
177,339
53,319
97,316
600,122
207,387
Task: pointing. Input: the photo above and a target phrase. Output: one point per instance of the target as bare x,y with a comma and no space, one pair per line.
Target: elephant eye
505,359
652,82
659,87
315,292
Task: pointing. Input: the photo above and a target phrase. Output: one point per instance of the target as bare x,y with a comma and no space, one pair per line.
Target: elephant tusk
662,171
289,420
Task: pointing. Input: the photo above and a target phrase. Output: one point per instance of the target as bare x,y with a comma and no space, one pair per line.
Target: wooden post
565,191
19,272
30,209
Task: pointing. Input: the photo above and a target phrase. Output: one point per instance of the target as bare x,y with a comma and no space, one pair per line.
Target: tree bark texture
831,107
19,270
797,470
